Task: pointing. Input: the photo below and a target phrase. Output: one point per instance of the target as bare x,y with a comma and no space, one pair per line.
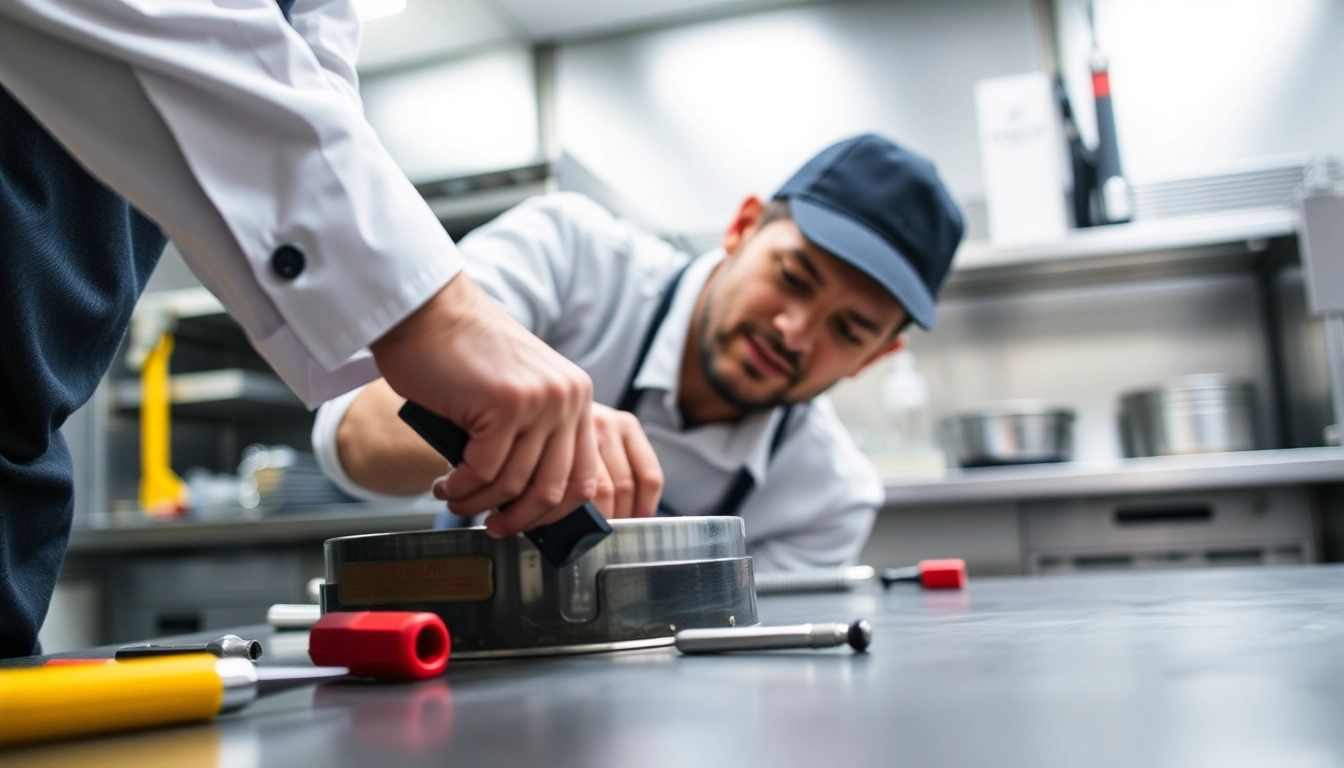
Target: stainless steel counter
1245,469
1191,668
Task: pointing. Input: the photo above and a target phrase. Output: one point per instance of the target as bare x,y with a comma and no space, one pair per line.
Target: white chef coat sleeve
325,426
331,30
820,499
223,125
550,258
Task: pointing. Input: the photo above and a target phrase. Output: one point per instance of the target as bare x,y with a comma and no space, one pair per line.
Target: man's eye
792,280
847,333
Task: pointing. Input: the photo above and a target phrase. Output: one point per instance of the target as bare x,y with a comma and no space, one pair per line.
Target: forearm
379,451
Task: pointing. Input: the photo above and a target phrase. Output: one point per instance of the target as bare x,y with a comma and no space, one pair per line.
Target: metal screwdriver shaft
228,646
858,635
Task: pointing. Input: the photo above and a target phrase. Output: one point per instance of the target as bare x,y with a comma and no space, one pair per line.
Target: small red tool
389,645
931,574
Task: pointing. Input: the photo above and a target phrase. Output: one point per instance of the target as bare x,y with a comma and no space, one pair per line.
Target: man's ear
743,225
890,348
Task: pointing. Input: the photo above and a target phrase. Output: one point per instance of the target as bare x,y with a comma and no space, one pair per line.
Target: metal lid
1015,408
1194,387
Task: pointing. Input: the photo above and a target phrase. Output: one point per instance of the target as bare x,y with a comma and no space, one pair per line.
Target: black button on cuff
287,261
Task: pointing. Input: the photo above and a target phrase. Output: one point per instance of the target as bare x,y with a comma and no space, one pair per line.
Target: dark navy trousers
74,258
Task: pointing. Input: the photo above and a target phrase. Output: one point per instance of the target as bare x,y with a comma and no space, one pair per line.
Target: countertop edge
1248,469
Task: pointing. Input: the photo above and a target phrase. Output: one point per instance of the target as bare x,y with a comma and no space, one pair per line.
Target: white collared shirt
589,285
237,132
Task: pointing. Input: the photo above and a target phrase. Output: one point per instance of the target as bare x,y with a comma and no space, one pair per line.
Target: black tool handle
890,576
561,542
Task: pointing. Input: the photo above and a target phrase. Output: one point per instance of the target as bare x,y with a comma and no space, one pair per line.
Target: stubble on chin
713,348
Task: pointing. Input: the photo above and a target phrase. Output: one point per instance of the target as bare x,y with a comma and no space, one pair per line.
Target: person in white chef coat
708,371
236,130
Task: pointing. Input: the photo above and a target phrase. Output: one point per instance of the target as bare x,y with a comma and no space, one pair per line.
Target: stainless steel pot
644,582
1010,432
1203,413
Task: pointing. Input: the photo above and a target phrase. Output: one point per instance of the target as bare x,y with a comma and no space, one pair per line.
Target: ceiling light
368,10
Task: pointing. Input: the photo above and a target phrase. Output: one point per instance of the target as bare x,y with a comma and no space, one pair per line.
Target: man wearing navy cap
708,372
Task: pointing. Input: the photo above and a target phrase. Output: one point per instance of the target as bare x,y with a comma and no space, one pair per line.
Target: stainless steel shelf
1245,469
229,393
1139,237
312,526
1156,249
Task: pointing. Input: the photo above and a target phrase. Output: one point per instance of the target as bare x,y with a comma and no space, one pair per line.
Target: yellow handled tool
162,492
38,703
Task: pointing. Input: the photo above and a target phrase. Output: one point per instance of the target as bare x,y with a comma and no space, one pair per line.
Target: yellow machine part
162,492
40,703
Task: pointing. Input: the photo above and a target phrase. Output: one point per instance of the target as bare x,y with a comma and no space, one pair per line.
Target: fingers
440,488
541,502
629,479
583,478
549,470
636,475
611,445
604,498
491,452
648,473
470,491
532,449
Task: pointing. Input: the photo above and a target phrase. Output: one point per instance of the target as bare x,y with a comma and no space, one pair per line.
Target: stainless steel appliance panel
1194,518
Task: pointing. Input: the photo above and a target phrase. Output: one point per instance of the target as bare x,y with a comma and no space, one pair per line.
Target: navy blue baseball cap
883,210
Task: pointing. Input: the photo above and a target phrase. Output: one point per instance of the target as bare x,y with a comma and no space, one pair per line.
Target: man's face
784,320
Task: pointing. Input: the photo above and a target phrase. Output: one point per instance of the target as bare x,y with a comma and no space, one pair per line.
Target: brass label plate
459,579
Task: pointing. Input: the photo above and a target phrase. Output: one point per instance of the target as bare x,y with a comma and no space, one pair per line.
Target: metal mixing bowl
1010,432
1203,413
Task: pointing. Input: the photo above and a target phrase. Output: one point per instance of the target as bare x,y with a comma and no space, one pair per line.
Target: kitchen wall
684,121
458,117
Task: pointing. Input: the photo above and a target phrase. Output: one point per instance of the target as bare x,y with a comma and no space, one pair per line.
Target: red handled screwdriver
931,574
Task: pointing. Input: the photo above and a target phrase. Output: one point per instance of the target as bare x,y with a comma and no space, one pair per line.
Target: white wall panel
459,117
684,121
432,29
549,19
1201,84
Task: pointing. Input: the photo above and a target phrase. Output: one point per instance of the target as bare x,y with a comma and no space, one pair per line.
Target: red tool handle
931,574
942,574
388,645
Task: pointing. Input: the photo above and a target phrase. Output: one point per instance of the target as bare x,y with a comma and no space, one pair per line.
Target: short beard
721,388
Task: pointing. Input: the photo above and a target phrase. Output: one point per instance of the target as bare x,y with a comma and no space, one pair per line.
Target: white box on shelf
1021,149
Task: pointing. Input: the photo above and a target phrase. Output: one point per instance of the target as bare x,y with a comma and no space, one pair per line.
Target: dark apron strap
630,396
744,484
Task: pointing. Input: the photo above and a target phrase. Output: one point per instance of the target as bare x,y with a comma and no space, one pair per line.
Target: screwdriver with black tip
857,634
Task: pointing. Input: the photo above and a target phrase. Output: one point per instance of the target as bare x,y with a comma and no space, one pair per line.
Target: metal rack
222,394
